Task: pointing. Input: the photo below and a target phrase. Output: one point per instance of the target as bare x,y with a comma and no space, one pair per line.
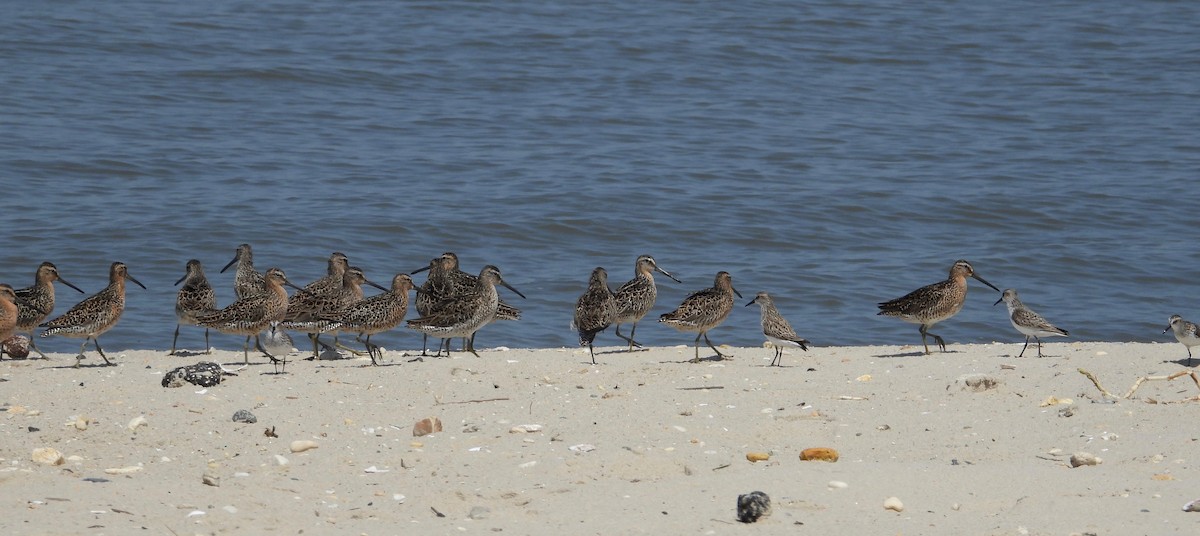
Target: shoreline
644,442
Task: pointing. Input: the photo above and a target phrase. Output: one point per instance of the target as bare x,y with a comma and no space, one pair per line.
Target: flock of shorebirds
455,304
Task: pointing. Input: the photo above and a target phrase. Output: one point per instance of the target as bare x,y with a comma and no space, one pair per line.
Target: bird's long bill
509,287
68,283
419,270
664,272
752,302
289,284
176,283
1002,299
376,285
1168,328
231,263
738,293
129,277
984,281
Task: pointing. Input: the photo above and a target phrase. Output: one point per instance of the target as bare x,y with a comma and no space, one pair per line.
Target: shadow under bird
246,280
594,310
1186,333
776,328
251,315
703,311
934,303
637,296
196,297
35,303
1027,321
96,314
465,314
377,314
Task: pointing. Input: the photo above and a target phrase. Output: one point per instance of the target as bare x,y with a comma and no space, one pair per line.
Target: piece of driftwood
1143,379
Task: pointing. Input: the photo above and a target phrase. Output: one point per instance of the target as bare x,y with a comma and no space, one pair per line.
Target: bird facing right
776,328
935,302
1186,333
703,311
1028,322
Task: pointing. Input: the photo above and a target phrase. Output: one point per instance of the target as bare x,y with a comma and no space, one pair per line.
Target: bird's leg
96,341
592,352
207,346
1024,347
34,346
424,344
714,348
696,345
246,348
923,331
470,345
175,340
1039,341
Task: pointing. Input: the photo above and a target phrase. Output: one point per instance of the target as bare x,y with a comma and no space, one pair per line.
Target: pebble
894,504
1080,459
244,416
398,497
528,464
16,346
427,426
821,454
48,456
582,447
753,505
301,445
838,484
138,421
281,460
758,456
211,480
525,429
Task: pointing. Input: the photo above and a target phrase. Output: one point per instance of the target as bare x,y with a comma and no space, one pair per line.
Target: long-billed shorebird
776,328
246,280
377,314
594,310
96,314
934,303
318,306
463,315
1186,333
1027,321
249,316
196,297
445,282
703,311
635,298
35,303
8,314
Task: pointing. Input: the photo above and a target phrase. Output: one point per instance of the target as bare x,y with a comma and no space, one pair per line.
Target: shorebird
249,316
703,311
304,305
196,297
35,303
377,314
96,314
1185,332
463,315
594,310
635,298
8,314
312,308
246,280
446,280
1028,322
776,328
934,303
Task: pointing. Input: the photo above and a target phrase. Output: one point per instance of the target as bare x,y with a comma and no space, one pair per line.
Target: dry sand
644,443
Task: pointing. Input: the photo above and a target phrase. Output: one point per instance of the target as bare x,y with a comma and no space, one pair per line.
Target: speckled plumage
1186,333
249,316
776,328
320,303
934,303
96,314
703,311
463,315
8,314
594,310
461,282
196,297
637,296
246,280
377,314
1027,321
36,302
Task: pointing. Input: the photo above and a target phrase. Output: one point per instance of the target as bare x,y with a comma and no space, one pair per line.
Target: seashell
128,470
427,426
48,456
752,506
81,423
1193,506
301,445
1080,459
16,346
757,456
894,504
525,429
140,420
821,454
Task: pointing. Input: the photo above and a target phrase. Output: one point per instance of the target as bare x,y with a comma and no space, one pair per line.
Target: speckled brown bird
96,314
249,316
196,297
934,303
703,311
35,303
594,310
637,296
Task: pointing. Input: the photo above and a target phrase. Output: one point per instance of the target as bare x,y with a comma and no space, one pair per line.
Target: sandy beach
543,442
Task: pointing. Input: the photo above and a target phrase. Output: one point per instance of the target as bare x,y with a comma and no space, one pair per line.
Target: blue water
835,154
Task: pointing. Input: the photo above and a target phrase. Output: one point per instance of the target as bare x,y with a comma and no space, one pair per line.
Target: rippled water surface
835,154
